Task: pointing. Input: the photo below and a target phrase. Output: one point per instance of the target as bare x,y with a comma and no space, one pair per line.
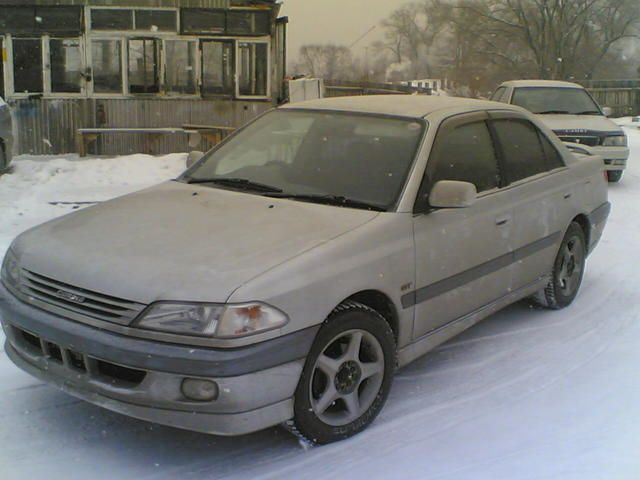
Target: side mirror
608,111
452,194
193,157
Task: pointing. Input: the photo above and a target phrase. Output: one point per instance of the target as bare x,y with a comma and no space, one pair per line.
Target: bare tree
326,61
412,31
566,38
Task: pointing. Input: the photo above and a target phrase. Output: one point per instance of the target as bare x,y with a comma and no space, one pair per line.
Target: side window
524,156
465,154
505,96
497,95
554,159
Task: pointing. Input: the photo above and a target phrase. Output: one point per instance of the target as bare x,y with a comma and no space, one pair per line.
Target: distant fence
623,96
338,88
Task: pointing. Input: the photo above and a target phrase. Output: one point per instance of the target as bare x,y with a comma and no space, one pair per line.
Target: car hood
593,123
179,242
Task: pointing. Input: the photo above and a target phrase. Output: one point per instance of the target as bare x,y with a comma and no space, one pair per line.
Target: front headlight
211,320
10,269
615,141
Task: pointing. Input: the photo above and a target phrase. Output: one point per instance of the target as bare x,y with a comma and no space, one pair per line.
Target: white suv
572,113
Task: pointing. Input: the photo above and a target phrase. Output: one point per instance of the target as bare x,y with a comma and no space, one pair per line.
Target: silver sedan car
286,275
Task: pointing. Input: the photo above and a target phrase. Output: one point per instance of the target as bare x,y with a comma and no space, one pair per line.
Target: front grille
97,369
78,300
589,141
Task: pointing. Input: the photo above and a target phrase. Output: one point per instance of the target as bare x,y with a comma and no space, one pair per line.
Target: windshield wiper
551,112
337,200
589,112
240,183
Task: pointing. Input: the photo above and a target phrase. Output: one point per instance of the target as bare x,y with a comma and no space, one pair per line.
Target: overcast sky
335,21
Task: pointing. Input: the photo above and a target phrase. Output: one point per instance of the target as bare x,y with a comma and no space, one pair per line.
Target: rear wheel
614,176
568,270
347,376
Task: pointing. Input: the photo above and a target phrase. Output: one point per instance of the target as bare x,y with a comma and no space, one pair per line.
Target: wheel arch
381,303
585,224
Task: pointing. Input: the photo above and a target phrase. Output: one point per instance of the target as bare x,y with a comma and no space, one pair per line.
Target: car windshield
351,160
549,100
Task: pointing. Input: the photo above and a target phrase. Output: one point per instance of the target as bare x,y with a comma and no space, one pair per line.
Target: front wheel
347,376
567,273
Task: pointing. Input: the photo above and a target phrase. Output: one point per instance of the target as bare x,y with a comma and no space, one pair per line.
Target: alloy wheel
347,377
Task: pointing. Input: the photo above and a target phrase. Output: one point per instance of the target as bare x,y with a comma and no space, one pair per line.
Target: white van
572,113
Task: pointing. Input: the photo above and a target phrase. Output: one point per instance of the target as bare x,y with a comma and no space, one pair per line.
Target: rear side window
466,154
497,95
554,159
523,153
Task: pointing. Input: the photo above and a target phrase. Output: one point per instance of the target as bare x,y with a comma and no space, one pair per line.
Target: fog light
200,390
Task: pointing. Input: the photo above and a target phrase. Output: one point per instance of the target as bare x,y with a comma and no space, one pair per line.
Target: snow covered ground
526,394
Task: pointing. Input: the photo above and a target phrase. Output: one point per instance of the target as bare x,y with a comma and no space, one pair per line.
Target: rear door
462,255
535,174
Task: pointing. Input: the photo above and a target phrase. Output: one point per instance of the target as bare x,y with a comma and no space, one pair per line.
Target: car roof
540,83
414,106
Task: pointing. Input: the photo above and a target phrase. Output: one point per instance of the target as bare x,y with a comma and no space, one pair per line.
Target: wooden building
113,65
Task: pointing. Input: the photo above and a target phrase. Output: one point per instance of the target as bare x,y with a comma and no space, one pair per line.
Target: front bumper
143,379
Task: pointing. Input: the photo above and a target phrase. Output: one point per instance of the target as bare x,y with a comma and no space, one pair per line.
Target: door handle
500,221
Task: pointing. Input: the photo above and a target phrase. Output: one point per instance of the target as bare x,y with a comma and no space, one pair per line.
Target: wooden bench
213,134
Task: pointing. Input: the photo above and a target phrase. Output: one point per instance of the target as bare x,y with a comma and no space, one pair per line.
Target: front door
462,255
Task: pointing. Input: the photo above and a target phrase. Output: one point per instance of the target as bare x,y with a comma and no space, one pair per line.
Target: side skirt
431,340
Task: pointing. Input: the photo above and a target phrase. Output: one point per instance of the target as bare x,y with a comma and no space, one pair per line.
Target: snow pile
39,189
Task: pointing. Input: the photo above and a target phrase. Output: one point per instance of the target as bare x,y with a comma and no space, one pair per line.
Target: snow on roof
541,83
416,106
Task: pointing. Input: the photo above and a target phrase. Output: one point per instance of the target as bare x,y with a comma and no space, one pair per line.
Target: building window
180,74
66,65
111,19
60,20
156,20
248,23
253,69
195,20
106,56
27,65
217,68
29,20
144,65
17,19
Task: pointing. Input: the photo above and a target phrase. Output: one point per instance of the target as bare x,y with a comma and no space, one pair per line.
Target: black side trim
451,283
600,214
150,355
